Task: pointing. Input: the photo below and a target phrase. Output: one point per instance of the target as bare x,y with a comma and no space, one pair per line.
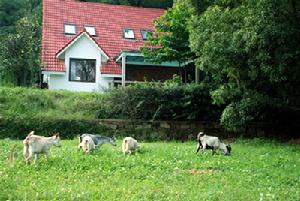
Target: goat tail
12,154
26,150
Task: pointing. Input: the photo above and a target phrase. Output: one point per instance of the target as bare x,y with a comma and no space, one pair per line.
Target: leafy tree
171,39
201,6
20,50
10,12
251,50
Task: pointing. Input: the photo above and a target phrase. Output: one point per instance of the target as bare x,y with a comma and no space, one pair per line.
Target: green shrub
68,128
73,113
157,101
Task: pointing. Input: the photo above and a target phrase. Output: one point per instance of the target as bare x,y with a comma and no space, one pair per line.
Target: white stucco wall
83,48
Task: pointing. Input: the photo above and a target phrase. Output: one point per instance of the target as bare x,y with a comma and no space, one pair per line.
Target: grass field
256,170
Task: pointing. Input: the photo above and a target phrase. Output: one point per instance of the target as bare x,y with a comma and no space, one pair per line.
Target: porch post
123,68
196,75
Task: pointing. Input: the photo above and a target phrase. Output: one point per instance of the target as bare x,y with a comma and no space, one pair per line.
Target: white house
91,46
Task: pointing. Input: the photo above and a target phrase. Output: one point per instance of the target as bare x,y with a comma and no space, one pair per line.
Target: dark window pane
83,70
145,34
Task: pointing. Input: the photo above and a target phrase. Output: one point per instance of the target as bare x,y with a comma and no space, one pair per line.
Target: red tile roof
109,21
78,35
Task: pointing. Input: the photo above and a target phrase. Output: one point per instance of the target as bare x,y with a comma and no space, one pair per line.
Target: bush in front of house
160,101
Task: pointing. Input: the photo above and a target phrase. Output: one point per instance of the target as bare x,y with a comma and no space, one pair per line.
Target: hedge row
68,129
160,101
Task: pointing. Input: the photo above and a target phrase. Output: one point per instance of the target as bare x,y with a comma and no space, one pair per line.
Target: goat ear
56,135
31,133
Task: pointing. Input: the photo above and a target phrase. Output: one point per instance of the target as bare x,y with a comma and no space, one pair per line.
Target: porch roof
137,58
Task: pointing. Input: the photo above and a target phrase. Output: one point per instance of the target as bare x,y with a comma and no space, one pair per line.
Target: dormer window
70,29
145,34
91,30
128,34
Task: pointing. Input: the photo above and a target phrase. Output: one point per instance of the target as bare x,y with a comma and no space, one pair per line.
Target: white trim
187,62
120,57
61,53
111,75
123,69
53,72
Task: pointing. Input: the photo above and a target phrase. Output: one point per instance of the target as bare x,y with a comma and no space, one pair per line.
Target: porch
135,69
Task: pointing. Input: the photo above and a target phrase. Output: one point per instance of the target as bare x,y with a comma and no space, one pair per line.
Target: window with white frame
91,30
82,70
70,29
128,33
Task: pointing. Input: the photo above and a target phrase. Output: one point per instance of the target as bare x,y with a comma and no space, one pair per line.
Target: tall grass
256,170
34,103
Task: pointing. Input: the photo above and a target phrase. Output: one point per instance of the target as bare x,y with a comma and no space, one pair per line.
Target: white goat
87,144
213,143
129,145
34,145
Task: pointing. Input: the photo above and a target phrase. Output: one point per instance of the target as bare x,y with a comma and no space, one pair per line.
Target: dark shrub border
17,128
68,128
157,101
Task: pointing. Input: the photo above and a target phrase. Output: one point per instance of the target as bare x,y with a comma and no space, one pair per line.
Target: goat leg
79,147
198,147
35,158
213,150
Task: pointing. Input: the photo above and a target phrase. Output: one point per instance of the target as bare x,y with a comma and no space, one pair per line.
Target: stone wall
188,130
165,130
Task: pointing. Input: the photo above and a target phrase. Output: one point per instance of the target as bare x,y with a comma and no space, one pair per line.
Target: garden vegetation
72,113
248,51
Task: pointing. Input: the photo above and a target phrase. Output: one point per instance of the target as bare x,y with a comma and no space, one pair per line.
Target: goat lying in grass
213,143
34,145
98,140
87,144
129,145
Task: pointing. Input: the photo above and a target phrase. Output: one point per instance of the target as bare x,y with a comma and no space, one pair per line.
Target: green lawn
256,170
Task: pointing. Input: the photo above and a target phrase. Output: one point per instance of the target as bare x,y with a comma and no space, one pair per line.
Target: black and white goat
98,140
213,143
